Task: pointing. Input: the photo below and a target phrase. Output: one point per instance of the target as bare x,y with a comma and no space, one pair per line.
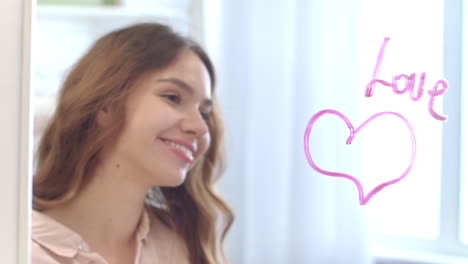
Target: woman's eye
172,97
205,115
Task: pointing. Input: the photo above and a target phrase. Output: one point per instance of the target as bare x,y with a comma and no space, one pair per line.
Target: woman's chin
173,181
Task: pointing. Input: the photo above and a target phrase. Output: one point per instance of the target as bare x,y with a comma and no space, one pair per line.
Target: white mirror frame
15,136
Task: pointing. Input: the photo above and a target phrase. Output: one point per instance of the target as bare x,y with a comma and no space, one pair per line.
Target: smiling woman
126,166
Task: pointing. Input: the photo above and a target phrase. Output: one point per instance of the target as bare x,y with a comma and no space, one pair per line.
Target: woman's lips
181,151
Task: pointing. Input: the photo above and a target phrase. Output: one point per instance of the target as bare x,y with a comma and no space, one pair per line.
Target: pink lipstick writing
439,88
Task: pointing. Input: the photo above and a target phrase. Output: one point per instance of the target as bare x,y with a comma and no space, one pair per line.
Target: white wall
15,17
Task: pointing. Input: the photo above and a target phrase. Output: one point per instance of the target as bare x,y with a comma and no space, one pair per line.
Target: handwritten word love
363,198
439,88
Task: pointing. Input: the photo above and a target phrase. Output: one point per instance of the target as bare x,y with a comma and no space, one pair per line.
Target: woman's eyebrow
185,86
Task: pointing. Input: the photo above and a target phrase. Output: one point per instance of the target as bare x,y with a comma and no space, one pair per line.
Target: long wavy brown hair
71,143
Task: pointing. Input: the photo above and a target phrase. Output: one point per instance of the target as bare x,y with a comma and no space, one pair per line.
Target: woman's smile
182,149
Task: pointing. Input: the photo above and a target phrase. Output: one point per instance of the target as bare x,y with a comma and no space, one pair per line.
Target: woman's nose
194,123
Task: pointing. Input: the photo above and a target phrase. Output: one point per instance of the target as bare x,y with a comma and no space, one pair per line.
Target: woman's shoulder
51,242
40,256
54,243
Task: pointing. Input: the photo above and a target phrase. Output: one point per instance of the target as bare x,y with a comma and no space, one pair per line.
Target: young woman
126,166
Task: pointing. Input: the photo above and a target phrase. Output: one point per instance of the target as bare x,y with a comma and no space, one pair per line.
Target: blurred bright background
279,62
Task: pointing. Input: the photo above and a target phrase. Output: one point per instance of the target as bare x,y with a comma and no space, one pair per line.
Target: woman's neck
107,211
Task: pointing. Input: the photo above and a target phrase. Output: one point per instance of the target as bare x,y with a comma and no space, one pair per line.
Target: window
416,219
464,132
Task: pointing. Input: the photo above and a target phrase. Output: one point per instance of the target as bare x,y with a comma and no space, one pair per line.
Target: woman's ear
104,116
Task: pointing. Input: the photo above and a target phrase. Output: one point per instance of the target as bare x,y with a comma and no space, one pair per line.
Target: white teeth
186,151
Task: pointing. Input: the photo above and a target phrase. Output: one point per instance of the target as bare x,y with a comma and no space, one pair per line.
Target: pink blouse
54,243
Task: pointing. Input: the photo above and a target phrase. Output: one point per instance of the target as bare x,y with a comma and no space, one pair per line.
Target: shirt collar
54,236
63,241
144,226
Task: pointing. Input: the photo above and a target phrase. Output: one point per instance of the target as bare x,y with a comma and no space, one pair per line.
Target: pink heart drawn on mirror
363,199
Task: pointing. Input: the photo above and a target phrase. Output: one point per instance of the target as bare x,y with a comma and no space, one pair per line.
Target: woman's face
165,130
